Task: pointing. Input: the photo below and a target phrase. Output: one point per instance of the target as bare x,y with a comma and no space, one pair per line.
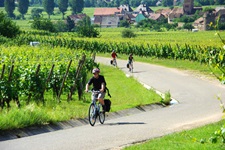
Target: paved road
198,106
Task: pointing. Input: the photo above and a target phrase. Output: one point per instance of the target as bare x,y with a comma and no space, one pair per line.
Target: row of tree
135,3
48,5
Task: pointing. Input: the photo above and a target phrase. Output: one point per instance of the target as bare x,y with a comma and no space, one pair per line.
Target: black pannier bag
107,105
128,65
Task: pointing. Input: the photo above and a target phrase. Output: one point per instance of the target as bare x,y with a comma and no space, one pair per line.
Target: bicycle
131,67
95,110
113,62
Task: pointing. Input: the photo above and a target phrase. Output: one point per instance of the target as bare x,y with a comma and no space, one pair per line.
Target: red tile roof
107,11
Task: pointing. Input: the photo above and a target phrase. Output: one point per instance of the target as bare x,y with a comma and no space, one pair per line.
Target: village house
156,17
110,22
210,18
144,9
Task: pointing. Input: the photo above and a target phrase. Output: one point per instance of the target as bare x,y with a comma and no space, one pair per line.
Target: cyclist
130,61
99,84
114,56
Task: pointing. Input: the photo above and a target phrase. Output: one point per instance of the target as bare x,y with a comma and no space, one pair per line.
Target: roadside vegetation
201,138
39,114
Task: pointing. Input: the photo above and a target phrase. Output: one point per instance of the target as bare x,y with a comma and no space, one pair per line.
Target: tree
188,26
86,29
63,5
77,6
10,7
48,7
23,7
70,24
36,12
1,3
167,3
8,28
124,23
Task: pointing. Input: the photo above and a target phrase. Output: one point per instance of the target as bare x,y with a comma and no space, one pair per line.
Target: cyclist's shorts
100,95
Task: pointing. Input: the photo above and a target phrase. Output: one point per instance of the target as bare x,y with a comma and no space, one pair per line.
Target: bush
128,33
8,28
124,23
43,24
61,26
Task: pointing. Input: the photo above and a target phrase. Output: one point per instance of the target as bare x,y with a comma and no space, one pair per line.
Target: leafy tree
43,24
77,6
36,12
124,23
167,3
23,7
1,3
63,5
128,33
48,7
8,28
10,7
70,24
86,29
188,26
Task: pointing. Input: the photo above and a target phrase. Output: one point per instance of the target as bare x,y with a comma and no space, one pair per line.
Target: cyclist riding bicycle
99,84
130,62
114,56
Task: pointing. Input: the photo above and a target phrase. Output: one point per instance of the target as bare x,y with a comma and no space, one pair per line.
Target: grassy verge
186,140
120,88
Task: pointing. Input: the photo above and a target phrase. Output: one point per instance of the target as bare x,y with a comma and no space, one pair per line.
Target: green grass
118,84
185,140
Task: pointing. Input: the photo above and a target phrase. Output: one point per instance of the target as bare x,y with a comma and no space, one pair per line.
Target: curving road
197,106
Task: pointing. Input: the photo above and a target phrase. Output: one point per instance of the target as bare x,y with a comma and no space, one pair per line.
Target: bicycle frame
94,110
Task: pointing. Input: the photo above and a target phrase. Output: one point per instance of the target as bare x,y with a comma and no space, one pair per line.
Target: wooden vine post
31,89
1,77
79,68
64,79
46,82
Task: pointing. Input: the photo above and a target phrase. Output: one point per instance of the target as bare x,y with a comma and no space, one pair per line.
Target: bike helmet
95,70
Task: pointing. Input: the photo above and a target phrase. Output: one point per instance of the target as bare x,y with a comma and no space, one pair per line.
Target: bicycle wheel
92,115
101,117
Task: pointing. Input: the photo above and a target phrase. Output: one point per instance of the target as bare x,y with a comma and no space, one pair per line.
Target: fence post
79,68
64,79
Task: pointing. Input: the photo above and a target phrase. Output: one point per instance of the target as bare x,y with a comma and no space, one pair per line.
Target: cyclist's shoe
103,108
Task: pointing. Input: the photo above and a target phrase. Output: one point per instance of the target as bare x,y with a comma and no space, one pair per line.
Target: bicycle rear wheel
92,115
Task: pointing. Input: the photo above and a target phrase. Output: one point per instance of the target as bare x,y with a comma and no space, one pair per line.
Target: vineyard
28,73
193,52
60,63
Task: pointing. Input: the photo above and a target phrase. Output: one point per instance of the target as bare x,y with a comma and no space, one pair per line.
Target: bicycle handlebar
93,91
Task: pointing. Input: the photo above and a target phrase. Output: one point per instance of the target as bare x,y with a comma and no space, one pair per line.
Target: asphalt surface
197,106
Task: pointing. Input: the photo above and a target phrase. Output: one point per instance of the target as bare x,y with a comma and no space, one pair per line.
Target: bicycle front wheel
92,115
101,117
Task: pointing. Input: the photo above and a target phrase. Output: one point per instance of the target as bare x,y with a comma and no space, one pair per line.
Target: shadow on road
125,123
